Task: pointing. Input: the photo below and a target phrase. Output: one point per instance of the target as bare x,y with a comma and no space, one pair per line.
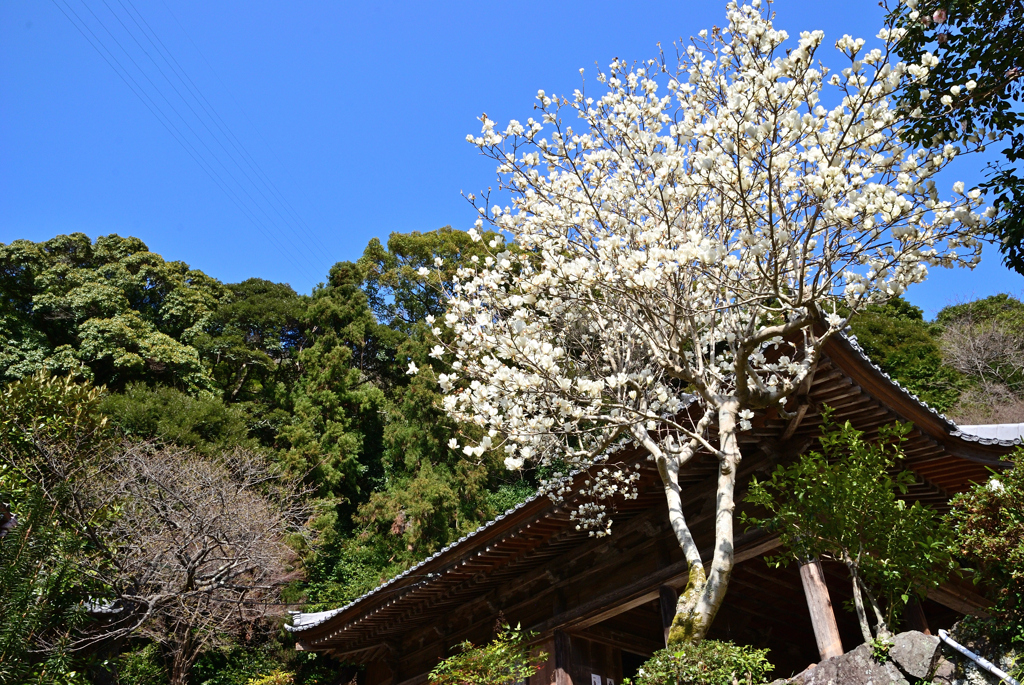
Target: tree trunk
881,627
184,658
699,602
858,603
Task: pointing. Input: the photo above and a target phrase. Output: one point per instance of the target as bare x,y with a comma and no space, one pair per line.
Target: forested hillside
317,383
317,387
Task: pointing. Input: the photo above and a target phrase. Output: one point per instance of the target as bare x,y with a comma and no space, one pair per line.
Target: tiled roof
304,621
983,434
1003,433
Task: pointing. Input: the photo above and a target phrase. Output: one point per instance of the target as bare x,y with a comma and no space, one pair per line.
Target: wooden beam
960,599
667,598
794,422
620,639
417,680
646,589
823,618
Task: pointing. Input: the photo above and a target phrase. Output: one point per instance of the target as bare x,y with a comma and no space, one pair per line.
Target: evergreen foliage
989,525
317,383
111,310
709,662
975,87
202,422
842,503
44,592
897,338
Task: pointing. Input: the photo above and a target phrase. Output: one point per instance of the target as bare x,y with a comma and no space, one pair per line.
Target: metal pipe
980,660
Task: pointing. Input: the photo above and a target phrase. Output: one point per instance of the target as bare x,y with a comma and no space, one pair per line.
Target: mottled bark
699,602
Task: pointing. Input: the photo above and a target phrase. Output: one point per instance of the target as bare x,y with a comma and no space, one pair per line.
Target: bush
273,678
142,666
709,662
165,414
988,522
505,661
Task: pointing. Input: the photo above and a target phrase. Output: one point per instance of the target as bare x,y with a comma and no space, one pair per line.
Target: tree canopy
973,93
681,258
318,386
111,310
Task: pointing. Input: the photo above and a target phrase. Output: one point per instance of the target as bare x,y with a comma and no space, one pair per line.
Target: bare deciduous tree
190,550
198,548
992,353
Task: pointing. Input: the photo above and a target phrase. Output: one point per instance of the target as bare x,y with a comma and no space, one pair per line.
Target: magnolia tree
680,257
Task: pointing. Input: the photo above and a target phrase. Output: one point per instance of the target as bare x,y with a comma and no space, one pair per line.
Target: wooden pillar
563,658
826,633
914,615
667,598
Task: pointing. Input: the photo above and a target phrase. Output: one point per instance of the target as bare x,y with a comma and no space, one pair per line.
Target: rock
856,667
945,672
915,653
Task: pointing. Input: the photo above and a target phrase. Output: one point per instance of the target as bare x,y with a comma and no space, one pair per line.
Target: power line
200,99
161,116
239,146
125,74
240,109
184,120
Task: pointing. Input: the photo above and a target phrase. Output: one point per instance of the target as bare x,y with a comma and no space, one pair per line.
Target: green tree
432,493
976,85
251,344
897,338
336,423
988,521
204,423
44,591
842,503
1002,309
401,295
111,311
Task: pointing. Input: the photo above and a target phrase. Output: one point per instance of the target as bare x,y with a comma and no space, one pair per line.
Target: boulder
856,667
945,672
916,653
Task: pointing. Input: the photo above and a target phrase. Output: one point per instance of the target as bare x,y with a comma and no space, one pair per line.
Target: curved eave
851,358
432,567
947,459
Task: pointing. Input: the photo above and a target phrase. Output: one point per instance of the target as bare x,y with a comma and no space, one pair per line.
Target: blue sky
350,118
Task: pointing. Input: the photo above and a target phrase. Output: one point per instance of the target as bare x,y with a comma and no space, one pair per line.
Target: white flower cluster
688,249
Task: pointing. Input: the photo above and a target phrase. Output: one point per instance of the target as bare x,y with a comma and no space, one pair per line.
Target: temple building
600,606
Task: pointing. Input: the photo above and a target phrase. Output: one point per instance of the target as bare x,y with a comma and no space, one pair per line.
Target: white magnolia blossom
682,253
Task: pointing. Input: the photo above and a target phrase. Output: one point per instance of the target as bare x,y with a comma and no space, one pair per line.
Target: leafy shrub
275,677
880,649
142,666
842,503
988,522
204,423
238,666
505,661
709,662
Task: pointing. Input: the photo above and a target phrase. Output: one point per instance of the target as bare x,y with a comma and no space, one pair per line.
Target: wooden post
667,597
915,617
563,658
826,633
